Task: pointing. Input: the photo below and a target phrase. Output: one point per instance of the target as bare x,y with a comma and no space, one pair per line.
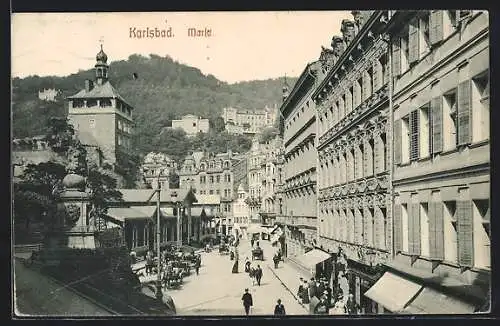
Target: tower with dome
101,117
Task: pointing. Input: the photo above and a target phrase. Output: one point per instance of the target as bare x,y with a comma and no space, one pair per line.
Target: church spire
101,67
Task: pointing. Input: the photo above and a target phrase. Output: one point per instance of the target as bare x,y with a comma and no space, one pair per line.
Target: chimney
89,85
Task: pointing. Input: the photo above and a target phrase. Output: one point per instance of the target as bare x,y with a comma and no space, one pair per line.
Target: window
481,107
218,179
211,179
425,138
385,70
403,141
104,103
92,123
211,192
217,192
78,104
424,42
341,109
119,140
481,231
414,135
368,82
413,42
361,90
450,232
91,103
194,124
450,138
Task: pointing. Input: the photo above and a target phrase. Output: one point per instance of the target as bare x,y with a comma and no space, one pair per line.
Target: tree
103,192
268,134
217,124
61,135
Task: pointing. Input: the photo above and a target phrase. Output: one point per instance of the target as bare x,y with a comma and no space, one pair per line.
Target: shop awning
256,229
393,292
311,258
430,301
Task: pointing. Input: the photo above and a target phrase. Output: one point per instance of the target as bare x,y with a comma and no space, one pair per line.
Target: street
216,291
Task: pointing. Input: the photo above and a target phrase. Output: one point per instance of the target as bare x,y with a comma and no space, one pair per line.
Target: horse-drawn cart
258,254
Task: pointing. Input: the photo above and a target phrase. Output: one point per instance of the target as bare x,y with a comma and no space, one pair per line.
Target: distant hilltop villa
49,94
244,121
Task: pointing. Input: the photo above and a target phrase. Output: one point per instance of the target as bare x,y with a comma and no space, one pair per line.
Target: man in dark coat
197,265
258,276
312,288
300,291
305,294
247,301
279,309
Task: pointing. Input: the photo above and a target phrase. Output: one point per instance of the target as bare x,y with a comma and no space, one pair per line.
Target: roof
105,90
208,199
142,195
133,212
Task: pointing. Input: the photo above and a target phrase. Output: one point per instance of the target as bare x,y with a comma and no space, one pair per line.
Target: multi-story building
440,66
191,124
157,165
299,190
240,172
270,201
240,121
353,166
102,117
241,211
211,174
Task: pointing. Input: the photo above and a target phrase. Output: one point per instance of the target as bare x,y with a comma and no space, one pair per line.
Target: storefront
315,263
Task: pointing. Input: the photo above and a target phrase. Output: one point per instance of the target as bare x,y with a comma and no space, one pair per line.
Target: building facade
354,161
442,155
299,189
239,121
49,94
102,118
191,124
211,174
270,201
241,210
157,165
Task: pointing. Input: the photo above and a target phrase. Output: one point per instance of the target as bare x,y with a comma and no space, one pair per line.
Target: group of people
255,273
247,299
317,293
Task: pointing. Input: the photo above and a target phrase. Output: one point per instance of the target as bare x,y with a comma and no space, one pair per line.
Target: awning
393,292
311,258
256,229
430,301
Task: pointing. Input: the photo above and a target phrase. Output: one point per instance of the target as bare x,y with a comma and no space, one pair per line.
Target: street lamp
159,294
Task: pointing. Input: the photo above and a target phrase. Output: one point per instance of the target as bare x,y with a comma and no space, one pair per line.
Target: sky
242,45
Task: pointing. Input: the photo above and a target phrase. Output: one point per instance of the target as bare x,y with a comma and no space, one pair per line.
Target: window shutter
416,228
397,141
379,155
366,85
414,135
379,229
377,75
411,233
358,225
465,233
437,124
432,229
398,229
439,230
464,112
396,57
350,223
413,39
435,26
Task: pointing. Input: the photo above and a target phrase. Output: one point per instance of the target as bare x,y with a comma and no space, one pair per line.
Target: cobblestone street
216,291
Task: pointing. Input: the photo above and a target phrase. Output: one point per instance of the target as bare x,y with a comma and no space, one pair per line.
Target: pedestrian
247,301
258,275
279,309
300,291
313,288
351,308
305,293
149,262
197,266
247,265
276,261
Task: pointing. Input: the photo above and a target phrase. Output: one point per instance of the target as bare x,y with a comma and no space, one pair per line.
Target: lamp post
159,293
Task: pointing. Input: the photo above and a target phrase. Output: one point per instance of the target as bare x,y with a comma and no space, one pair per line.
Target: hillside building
239,121
49,94
157,165
191,124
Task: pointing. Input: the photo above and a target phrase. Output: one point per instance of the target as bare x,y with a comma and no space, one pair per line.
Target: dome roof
101,56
